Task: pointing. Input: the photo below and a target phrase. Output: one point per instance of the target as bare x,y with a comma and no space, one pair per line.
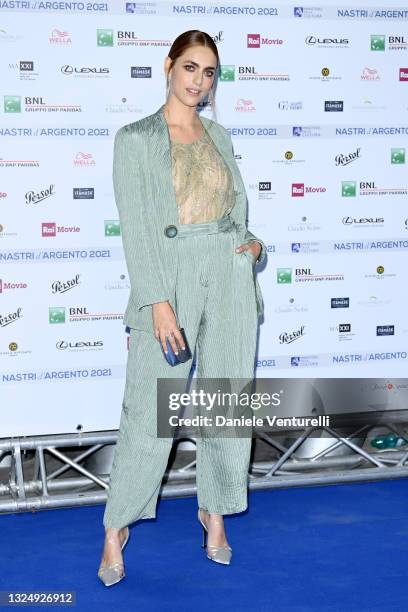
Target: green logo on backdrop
377,42
104,38
398,156
112,228
227,73
56,314
348,189
12,104
284,276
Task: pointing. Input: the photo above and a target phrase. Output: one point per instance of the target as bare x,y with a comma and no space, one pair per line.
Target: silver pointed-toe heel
219,554
111,574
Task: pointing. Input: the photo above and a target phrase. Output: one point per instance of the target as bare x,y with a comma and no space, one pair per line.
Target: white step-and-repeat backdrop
316,101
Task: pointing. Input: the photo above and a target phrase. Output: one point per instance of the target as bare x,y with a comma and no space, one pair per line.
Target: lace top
202,181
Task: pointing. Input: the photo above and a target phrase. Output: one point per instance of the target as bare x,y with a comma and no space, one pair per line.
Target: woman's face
192,75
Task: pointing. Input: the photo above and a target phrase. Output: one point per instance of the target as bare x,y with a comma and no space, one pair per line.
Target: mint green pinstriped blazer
146,202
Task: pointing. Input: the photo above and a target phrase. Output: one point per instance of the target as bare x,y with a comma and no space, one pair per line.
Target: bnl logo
56,314
283,276
377,42
12,104
112,228
348,189
398,156
104,38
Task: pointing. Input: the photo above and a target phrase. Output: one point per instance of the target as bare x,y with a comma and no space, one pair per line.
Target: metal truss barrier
51,488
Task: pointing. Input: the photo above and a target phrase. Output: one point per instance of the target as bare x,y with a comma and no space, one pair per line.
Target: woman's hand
165,324
254,246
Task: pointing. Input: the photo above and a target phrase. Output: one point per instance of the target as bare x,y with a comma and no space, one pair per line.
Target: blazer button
170,231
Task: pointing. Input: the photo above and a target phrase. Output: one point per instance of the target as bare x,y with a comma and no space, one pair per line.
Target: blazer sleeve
240,210
148,286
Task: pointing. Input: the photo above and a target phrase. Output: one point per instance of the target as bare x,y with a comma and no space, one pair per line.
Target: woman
191,260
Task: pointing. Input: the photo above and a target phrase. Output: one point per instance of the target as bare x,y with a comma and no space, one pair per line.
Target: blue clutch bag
182,356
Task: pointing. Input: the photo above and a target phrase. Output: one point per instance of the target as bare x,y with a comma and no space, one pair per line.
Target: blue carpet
314,549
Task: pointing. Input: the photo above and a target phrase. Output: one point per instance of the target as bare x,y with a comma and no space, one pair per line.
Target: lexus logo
67,69
362,220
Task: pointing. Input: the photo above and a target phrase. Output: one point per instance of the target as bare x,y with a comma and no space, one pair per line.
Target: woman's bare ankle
114,535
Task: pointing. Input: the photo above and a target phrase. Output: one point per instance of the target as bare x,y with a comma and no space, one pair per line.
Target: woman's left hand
253,246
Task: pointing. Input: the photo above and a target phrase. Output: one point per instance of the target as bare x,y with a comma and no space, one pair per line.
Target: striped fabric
216,305
145,198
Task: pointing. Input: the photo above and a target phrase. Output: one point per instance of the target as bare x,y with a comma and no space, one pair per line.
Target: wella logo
59,37
245,106
370,74
84,159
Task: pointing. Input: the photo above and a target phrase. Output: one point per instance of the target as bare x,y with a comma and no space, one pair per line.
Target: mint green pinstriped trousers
216,305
